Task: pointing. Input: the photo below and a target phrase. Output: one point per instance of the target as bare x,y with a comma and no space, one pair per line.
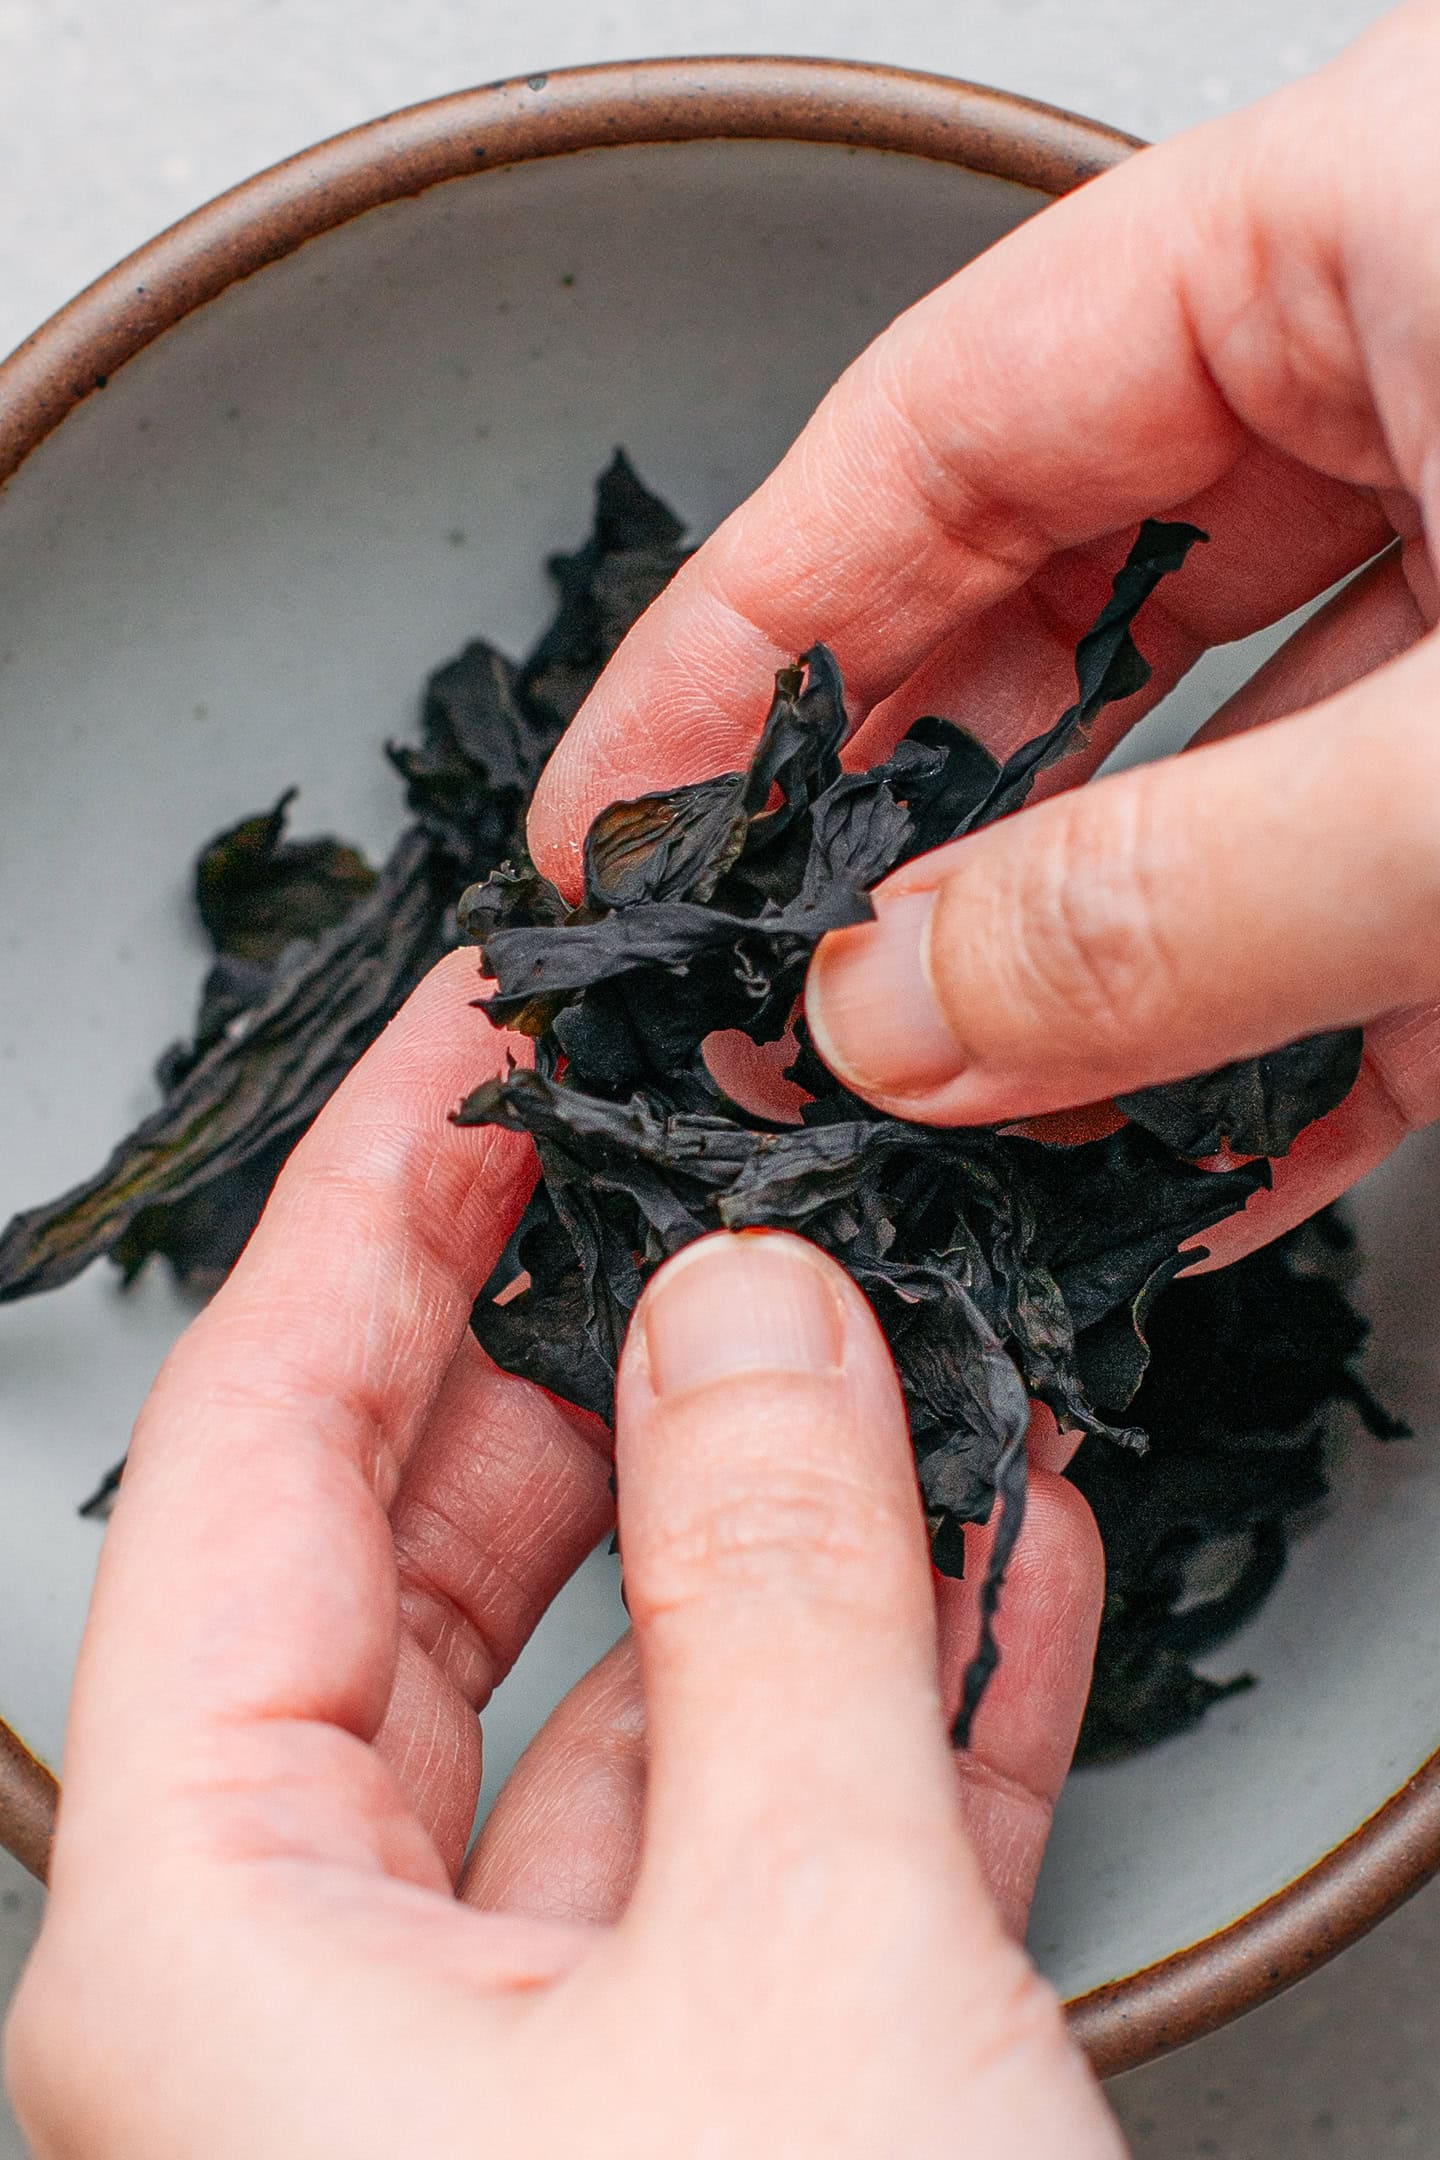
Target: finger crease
457,1640
977,1771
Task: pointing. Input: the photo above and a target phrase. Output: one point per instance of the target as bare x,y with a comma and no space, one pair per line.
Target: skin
740,1852
949,521
739,1896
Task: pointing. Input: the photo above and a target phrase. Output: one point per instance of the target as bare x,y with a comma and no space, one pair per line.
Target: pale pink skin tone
740,1896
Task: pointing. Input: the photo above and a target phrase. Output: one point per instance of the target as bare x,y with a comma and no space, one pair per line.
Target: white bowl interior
230,571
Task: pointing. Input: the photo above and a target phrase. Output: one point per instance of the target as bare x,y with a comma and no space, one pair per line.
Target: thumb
778,1579
776,1571
1156,924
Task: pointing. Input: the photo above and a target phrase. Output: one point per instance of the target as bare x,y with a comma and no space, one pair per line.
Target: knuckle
1085,943
1402,1061
965,495
809,1537
1004,1797
447,1602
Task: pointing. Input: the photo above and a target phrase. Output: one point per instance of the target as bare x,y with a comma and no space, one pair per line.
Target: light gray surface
113,121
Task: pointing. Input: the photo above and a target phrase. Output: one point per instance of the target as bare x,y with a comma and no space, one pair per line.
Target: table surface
116,120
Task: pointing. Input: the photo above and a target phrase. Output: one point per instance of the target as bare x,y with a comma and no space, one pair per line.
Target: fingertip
1048,1447
558,819
683,697
740,1302
871,1006
1059,1567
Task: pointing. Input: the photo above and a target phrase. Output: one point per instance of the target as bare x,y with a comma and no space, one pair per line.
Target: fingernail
870,1006
736,1303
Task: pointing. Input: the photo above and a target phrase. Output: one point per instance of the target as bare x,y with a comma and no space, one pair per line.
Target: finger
1025,1733
1372,619
777,1574
1010,672
1155,924
563,1839
1122,354
687,693
502,1500
1046,1447
246,1603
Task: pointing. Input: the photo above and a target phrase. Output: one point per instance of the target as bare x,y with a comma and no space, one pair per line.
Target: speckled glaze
509,123
472,138
1146,2014
28,1797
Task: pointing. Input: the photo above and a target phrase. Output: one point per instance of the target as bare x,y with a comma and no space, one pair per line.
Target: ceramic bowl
258,481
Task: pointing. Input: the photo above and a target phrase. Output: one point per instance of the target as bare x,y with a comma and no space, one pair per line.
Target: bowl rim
1130,2020
514,121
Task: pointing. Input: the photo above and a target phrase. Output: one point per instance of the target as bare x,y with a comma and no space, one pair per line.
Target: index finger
1178,331
248,1578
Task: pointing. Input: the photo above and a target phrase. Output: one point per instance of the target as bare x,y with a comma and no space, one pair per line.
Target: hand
739,1897
1240,327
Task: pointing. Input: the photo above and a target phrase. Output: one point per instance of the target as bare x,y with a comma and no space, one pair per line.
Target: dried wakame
1004,1271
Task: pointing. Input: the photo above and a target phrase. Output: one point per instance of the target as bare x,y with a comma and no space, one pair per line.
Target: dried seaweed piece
1257,1106
97,1505
1142,1693
666,847
316,950
478,759
1261,1349
605,586
948,794
1109,665
541,973
256,891
711,872
999,1267
1009,1509
250,1096
1250,1367
1109,1213
545,1249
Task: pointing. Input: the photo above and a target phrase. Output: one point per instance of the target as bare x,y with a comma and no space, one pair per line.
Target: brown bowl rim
1131,2020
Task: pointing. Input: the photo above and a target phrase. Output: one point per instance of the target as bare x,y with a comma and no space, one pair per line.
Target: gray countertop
116,120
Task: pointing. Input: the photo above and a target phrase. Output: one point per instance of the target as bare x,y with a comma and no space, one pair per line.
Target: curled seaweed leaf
999,1268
